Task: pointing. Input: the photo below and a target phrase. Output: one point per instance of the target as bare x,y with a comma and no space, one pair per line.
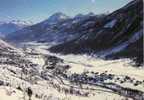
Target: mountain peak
79,15
56,17
91,14
59,14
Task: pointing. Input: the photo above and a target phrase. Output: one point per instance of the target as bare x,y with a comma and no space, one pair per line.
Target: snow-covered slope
7,48
73,77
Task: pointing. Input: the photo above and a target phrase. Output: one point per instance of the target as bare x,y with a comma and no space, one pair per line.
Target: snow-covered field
78,65
81,63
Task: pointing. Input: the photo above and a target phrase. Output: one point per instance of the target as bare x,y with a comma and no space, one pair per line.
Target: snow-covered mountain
57,17
7,27
57,28
120,34
114,35
32,72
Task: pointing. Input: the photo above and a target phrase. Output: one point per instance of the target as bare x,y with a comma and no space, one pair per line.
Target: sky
39,10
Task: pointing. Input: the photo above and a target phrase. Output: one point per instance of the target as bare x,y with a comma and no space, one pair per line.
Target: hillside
118,35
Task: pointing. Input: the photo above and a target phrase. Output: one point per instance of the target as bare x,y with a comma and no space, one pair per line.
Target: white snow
6,46
136,36
75,21
110,24
44,89
9,93
79,64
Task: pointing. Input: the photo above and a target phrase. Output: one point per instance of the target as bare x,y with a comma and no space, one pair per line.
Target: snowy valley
68,77
87,57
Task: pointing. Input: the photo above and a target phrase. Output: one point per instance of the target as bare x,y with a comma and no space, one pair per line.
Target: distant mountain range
7,27
58,28
116,35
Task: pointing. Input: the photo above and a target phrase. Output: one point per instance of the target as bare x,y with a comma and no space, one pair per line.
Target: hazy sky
37,10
